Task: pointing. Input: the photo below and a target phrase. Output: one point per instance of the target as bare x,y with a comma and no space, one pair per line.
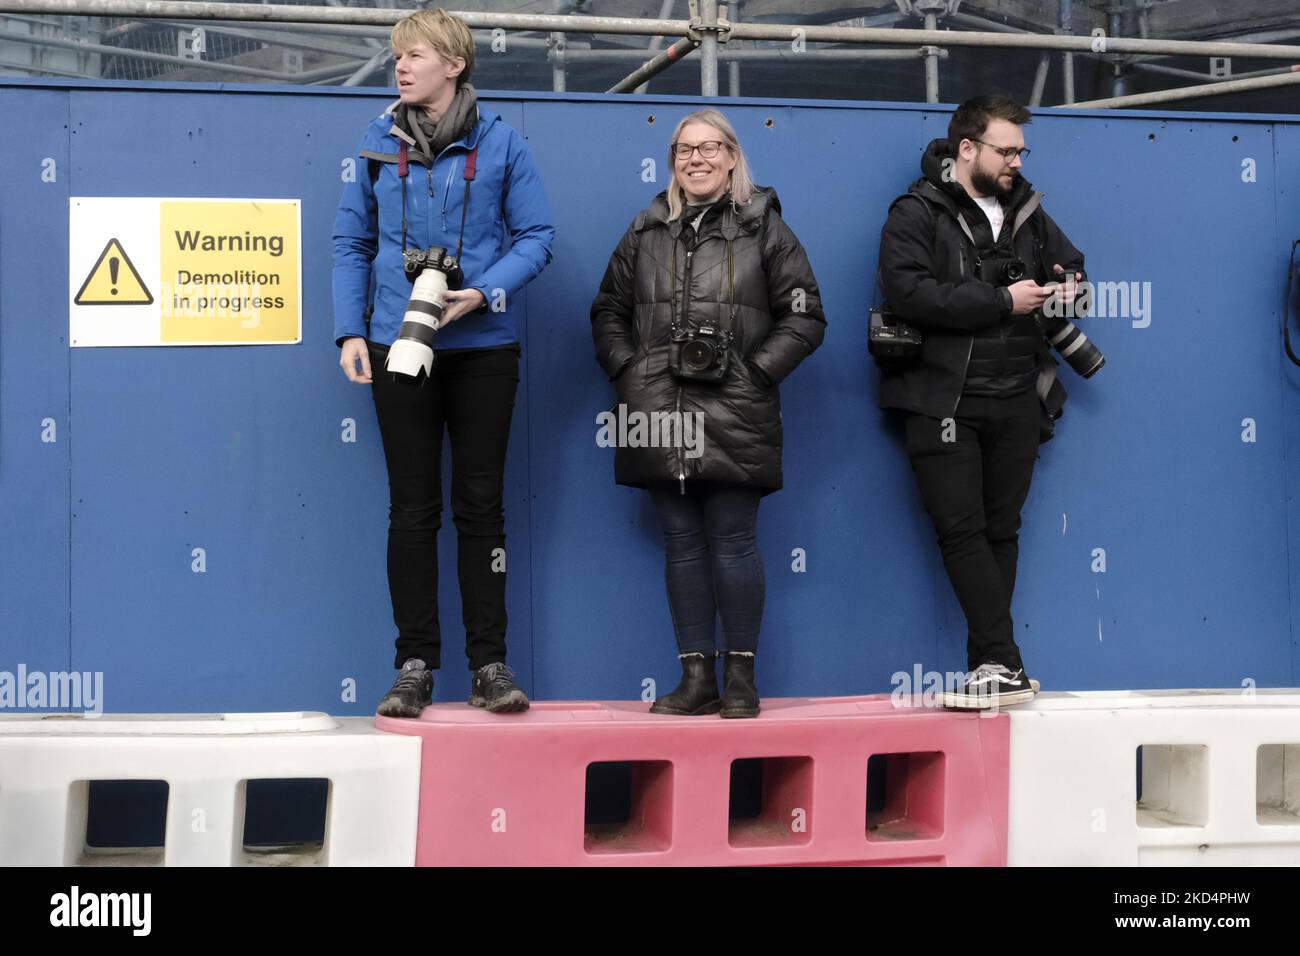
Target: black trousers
472,394
974,473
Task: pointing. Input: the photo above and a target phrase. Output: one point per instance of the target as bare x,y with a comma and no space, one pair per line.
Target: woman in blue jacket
437,170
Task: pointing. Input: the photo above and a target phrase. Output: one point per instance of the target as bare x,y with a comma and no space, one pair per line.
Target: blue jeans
712,564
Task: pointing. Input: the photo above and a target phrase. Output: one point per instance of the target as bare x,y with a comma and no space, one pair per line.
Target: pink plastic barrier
512,789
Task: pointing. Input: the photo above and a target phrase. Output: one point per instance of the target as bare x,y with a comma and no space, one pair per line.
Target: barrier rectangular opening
628,807
905,796
125,821
1277,785
284,821
770,801
1173,785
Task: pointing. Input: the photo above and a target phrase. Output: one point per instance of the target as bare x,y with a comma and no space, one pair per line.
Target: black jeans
974,486
472,393
712,564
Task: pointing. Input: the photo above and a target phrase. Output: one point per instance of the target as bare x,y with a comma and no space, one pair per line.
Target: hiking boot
410,693
494,689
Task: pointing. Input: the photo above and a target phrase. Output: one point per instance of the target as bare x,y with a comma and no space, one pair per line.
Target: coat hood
747,218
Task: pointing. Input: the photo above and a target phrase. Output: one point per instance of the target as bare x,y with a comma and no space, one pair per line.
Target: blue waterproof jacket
508,232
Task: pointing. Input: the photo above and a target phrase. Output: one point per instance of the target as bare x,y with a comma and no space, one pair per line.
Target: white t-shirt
993,209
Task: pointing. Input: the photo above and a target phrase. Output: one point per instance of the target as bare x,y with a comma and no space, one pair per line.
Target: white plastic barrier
48,761
1220,779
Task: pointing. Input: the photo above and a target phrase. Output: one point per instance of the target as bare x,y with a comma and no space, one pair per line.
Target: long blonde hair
742,181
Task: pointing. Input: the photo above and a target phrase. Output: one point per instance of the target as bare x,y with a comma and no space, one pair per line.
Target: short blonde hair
447,35
742,180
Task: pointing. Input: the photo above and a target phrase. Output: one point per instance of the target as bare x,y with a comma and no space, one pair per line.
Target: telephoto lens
1075,347
411,358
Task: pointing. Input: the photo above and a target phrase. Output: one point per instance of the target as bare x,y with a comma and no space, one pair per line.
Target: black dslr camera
415,261
700,353
892,342
1072,345
1001,272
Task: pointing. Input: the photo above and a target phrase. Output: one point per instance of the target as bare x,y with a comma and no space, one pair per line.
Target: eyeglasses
1008,153
708,149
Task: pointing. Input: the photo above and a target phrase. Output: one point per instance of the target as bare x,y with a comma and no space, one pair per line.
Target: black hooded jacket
928,270
663,269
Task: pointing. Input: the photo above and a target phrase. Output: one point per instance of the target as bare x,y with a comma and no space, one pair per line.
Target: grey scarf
435,136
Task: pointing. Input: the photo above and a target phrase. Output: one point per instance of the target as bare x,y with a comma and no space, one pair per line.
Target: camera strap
403,172
471,167
731,291
731,284
1286,305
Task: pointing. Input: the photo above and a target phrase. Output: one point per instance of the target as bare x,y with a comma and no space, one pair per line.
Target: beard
991,185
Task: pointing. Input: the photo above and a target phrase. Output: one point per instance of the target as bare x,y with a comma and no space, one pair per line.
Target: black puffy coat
928,272
662,269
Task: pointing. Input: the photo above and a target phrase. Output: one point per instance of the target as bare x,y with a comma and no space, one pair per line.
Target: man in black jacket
983,392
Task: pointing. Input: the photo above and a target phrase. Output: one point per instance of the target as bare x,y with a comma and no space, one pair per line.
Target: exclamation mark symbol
113,263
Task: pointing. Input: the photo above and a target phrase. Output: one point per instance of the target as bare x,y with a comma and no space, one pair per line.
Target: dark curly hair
971,118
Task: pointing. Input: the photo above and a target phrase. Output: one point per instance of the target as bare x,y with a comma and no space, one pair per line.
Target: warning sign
198,272
113,280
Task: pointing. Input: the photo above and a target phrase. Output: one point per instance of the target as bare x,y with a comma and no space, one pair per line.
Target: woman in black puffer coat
707,305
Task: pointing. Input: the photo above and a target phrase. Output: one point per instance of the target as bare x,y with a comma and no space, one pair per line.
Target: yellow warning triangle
113,280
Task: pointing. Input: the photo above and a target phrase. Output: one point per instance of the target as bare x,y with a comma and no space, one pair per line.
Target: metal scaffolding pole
372,42
1291,78
372,64
665,12
733,66
1118,84
371,34
1040,80
177,61
652,67
774,55
1067,59
1205,77
557,55
931,63
288,13
29,68
812,33
278,37
708,27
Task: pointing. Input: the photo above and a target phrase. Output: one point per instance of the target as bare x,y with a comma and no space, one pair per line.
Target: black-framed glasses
708,149
1008,153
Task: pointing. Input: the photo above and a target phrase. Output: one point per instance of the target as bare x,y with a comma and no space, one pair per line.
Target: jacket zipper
686,301
970,345
681,460
446,192
965,367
